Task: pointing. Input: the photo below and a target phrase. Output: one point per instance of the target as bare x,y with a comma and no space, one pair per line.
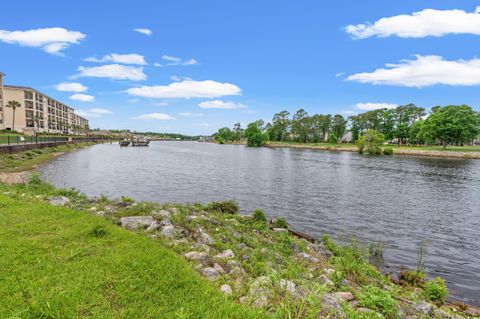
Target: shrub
379,300
411,278
371,142
34,179
98,231
225,207
436,290
29,154
127,200
259,216
279,223
388,151
332,139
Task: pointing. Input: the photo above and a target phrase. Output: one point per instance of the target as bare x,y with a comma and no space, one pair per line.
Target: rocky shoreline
428,153
261,264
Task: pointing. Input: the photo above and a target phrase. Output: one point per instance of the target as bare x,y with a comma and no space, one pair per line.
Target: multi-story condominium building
37,112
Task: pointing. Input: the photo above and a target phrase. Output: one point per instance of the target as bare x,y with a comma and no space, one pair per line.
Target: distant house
347,137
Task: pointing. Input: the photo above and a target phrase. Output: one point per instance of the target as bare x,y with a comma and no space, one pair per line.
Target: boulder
226,289
345,296
219,268
226,254
326,281
423,307
168,231
210,272
280,230
161,215
288,286
136,222
195,255
58,200
308,257
332,308
205,238
153,226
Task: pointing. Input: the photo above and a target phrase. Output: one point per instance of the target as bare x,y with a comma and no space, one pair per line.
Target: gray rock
168,231
240,246
192,218
423,307
332,307
161,215
219,268
280,230
205,238
226,254
93,209
136,222
154,226
326,281
226,289
196,255
58,200
346,296
210,272
100,213
308,257
288,286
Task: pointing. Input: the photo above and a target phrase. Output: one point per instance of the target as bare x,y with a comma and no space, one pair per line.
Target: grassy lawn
59,263
27,160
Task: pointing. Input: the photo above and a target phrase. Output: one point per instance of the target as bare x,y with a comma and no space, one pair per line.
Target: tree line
405,124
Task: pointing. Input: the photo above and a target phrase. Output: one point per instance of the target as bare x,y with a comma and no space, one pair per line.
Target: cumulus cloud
132,58
375,106
173,61
71,87
113,71
154,116
428,22
424,71
217,104
82,97
190,114
50,40
186,89
94,112
145,31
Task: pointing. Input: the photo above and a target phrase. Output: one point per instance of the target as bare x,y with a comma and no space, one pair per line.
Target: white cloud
132,58
161,104
133,100
113,71
82,97
186,89
375,106
154,116
217,104
51,40
190,114
172,61
424,71
428,22
94,112
100,111
145,31
339,74
71,87
158,65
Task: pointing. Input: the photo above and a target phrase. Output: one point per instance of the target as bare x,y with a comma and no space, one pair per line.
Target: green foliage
279,223
224,134
332,138
34,179
379,300
127,200
388,150
436,290
259,216
371,142
225,207
453,124
98,231
255,134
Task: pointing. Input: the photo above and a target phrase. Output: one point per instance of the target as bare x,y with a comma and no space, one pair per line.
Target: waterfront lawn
23,161
60,263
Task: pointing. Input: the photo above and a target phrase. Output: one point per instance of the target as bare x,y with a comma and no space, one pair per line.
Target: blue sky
208,64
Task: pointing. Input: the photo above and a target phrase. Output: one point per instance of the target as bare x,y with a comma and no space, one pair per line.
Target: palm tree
13,105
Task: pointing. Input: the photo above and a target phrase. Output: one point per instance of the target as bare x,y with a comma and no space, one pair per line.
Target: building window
28,104
28,95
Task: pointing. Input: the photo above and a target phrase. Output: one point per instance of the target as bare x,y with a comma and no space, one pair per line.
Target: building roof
18,87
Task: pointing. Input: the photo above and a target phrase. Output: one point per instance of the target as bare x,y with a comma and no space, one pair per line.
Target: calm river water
399,200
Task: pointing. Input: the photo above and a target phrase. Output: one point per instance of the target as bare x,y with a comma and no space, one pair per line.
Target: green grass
27,160
60,263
